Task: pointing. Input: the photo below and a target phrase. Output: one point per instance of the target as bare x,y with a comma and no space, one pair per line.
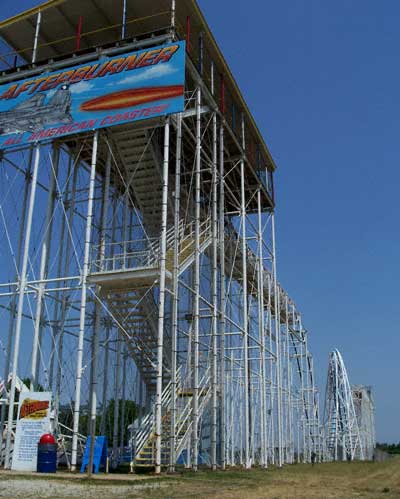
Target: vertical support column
246,422
298,437
271,372
261,329
117,382
308,400
123,402
173,14
337,415
44,263
175,291
214,288
278,348
196,285
36,39
287,385
241,384
313,414
98,313
108,326
20,308
13,304
303,400
231,454
125,222
222,304
160,338
63,265
82,316
123,27
106,347
290,407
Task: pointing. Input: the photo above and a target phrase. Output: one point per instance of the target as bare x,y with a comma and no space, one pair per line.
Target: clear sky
322,79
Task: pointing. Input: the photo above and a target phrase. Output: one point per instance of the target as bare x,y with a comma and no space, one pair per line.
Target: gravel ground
27,488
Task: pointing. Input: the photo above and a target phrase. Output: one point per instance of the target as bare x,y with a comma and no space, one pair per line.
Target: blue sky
322,79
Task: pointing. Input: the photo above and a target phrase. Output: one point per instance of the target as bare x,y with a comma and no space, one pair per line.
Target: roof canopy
100,23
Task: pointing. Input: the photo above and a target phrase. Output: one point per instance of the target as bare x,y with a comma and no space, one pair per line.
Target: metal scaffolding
339,417
348,417
364,407
139,262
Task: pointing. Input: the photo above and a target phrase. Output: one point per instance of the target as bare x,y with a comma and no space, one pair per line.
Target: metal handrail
205,387
148,422
148,250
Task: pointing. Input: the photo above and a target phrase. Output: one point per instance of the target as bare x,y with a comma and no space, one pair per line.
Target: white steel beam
20,308
82,315
161,312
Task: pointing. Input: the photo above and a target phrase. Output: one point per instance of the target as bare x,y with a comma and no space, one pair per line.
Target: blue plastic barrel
47,458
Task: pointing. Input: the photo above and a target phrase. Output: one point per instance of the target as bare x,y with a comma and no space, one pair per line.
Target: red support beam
79,34
188,34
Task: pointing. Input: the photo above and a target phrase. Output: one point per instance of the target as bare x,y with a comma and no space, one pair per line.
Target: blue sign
99,455
111,91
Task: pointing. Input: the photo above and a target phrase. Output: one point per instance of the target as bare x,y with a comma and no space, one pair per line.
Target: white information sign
32,422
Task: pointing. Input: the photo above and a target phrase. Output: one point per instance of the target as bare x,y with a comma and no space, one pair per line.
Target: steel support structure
166,262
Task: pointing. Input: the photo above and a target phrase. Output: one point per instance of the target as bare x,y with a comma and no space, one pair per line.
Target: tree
389,448
131,409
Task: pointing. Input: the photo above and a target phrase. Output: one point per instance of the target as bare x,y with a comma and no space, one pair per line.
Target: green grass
337,480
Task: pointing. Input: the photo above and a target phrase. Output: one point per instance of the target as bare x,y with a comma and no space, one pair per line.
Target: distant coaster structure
348,416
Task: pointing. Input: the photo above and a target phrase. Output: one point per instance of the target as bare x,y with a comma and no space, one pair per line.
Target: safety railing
126,255
184,414
184,420
147,425
145,253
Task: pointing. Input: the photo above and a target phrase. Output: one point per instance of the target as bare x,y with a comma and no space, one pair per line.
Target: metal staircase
136,313
127,277
144,440
137,150
128,273
127,280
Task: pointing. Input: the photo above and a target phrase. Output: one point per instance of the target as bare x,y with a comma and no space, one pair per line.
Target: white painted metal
123,27
261,329
364,407
160,339
214,286
340,420
196,285
222,302
13,304
82,316
117,386
21,295
246,380
175,291
36,40
44,263
278,343
98,315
